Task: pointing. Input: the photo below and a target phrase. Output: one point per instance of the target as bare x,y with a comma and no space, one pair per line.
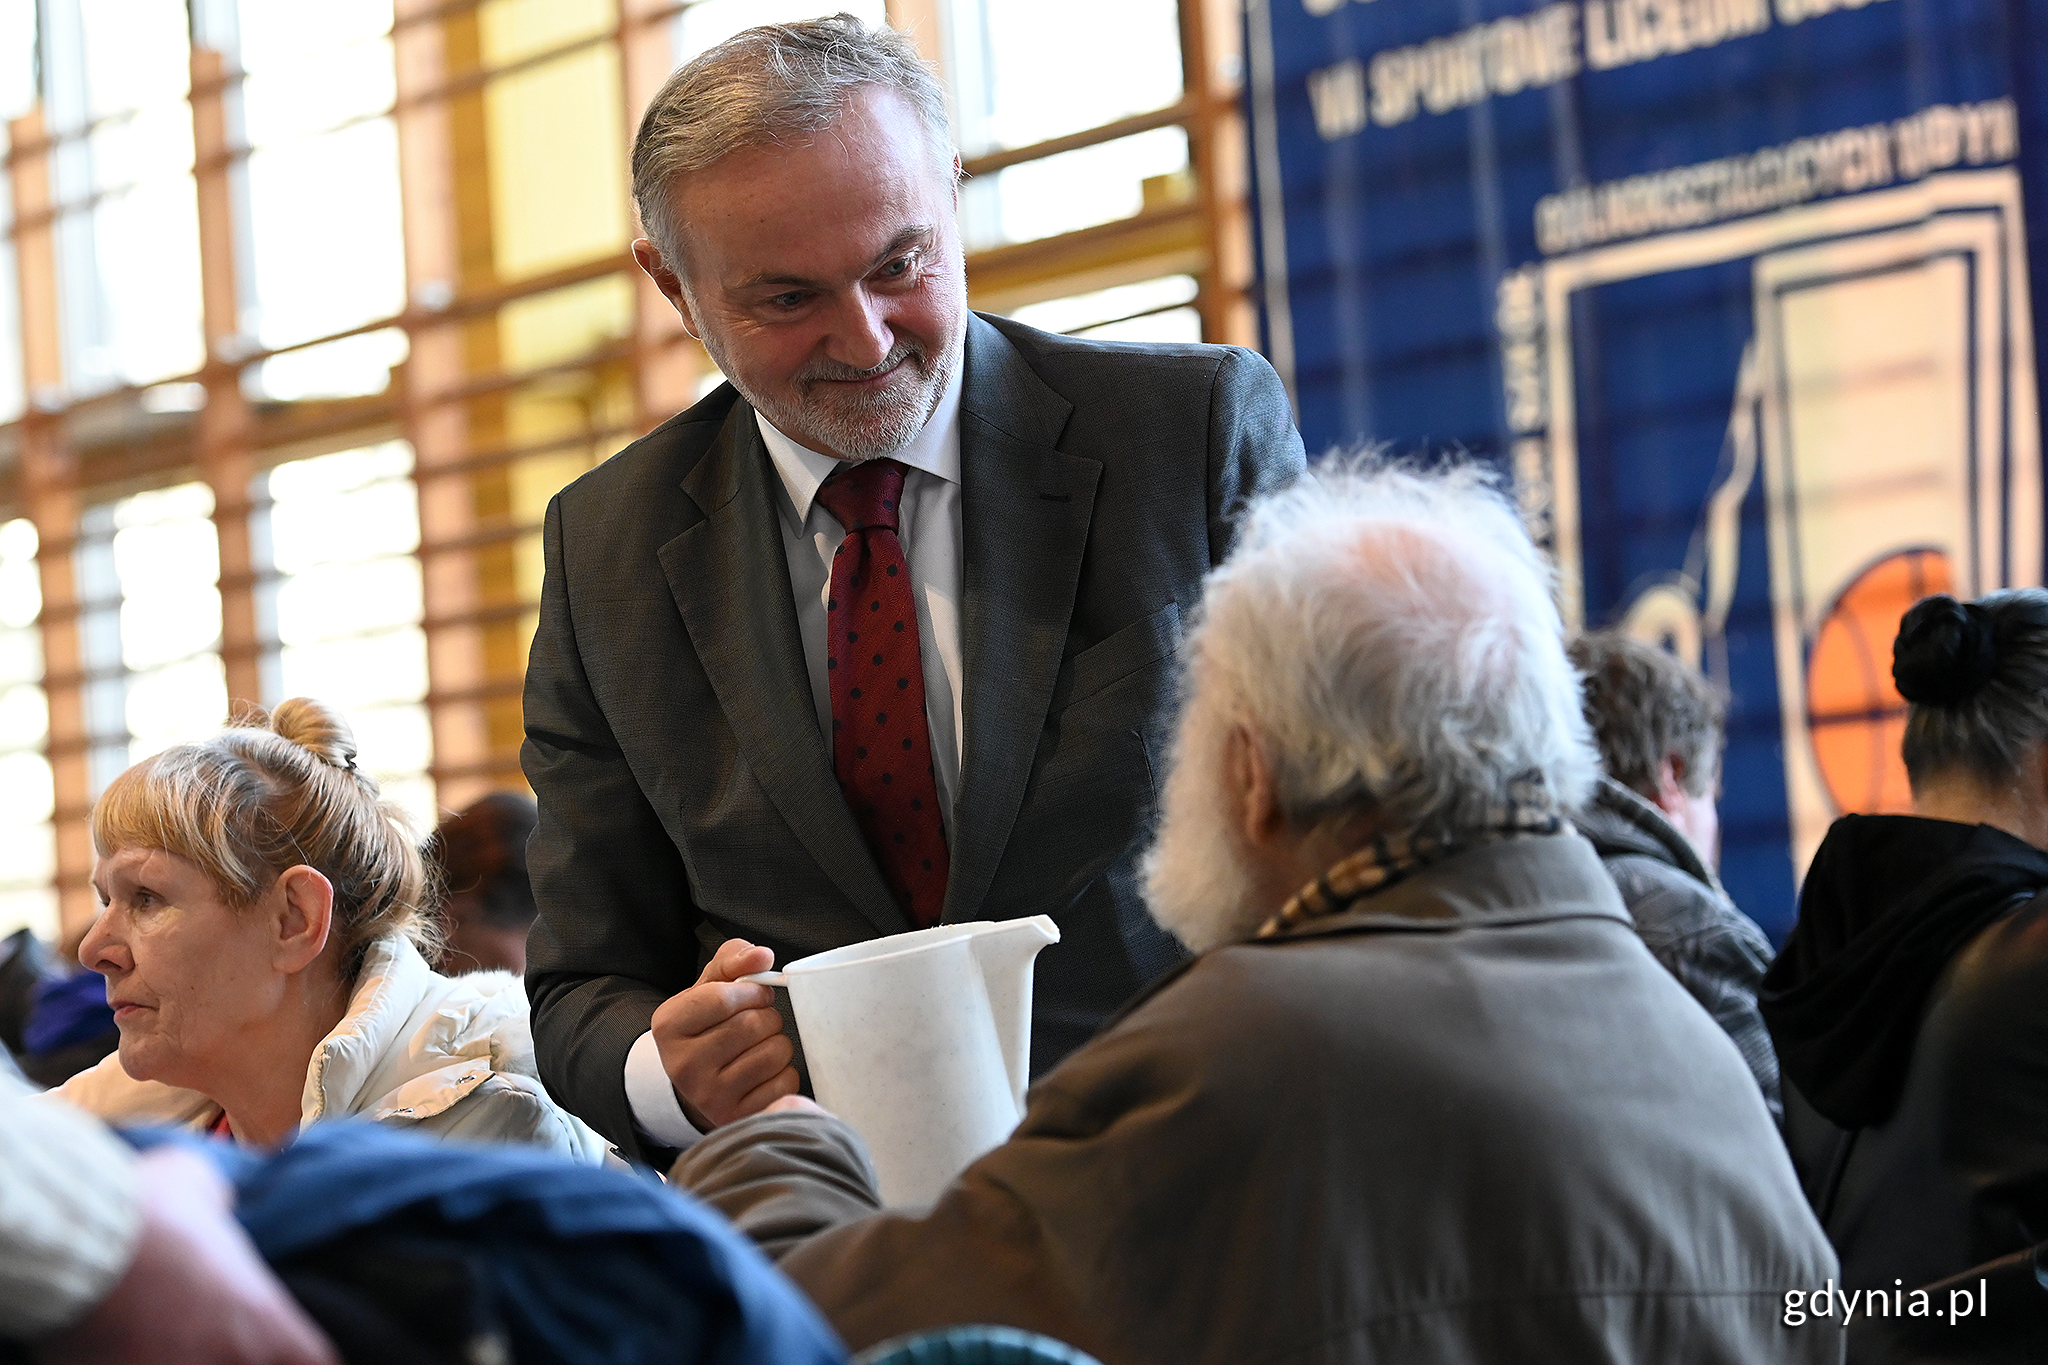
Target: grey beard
876,426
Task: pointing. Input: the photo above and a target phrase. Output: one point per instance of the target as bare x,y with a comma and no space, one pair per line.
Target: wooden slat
439,431
1144,246
667,361
49,486
1212,50
988,163
226,454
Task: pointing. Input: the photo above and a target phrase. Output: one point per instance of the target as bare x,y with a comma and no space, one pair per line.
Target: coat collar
1619,822
382,1061
1493,885
411,1044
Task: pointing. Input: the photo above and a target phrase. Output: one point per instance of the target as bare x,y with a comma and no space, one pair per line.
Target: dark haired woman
1910,1004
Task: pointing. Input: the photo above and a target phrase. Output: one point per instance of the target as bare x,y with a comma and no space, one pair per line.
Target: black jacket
1911,1004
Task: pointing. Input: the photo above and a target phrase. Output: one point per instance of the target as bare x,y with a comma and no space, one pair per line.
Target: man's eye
898,268
786,301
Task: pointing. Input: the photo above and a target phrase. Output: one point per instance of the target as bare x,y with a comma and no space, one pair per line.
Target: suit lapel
1025,511
730,579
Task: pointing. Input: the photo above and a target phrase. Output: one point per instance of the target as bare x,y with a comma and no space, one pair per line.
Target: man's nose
863,337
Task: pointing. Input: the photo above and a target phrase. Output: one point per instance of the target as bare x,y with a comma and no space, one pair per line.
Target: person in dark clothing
488,909
1654,824
1910,1004
54,1018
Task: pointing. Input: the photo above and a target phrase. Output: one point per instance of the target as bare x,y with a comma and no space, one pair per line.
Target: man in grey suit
895,507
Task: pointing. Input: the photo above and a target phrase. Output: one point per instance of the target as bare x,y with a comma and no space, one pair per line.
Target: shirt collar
935,449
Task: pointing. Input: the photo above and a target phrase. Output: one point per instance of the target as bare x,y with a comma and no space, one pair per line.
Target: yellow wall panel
562,324
558,163
513,29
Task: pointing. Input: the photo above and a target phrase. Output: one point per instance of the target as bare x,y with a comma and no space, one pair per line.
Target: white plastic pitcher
921,1041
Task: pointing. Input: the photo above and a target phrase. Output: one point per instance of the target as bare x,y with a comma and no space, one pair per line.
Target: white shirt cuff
656,1110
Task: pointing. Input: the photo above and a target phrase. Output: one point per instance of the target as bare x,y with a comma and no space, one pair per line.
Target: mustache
832,369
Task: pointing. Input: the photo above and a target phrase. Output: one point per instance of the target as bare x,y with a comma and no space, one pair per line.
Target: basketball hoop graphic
1856,716
1884,408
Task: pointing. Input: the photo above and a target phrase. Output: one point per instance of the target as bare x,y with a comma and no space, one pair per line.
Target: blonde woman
264,916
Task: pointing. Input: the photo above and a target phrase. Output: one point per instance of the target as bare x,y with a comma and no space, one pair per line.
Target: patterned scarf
1529,811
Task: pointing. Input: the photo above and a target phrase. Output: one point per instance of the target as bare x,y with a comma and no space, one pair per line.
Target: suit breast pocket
1108,699
1102,665
1092,789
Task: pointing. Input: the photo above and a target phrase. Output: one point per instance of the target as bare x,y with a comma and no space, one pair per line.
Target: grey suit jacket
686,795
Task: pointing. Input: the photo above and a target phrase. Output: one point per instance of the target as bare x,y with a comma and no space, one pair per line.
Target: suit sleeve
1253,446
616,930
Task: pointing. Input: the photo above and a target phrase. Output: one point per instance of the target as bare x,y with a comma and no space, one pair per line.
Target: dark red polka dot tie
881,745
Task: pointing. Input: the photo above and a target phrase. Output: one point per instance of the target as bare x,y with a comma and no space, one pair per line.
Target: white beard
1196,883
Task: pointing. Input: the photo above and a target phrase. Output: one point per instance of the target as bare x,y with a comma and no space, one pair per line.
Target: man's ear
1671,797
1249,772
648,258
305,917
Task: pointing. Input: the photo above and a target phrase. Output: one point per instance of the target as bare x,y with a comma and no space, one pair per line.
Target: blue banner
1739,291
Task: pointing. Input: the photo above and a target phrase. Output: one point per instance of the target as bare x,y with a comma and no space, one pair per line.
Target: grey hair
1389,637
766,84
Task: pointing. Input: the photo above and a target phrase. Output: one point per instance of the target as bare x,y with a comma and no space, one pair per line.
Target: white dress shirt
929,527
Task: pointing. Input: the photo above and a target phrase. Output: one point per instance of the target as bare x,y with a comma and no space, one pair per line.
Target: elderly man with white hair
1423,1096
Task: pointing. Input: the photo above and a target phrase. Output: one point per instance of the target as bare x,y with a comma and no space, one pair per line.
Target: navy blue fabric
584,1264
1404,239
67,1010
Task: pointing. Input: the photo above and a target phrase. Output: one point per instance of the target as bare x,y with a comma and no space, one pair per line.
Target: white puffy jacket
452,1056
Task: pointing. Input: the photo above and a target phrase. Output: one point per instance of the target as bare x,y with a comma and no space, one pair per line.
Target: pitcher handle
765,979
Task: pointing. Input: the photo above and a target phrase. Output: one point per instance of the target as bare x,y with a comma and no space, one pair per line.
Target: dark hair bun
1945,652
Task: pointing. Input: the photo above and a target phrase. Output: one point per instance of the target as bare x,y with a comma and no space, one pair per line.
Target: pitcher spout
1007,953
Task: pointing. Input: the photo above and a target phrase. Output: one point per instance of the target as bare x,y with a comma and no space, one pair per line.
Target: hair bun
316,727
1945,652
